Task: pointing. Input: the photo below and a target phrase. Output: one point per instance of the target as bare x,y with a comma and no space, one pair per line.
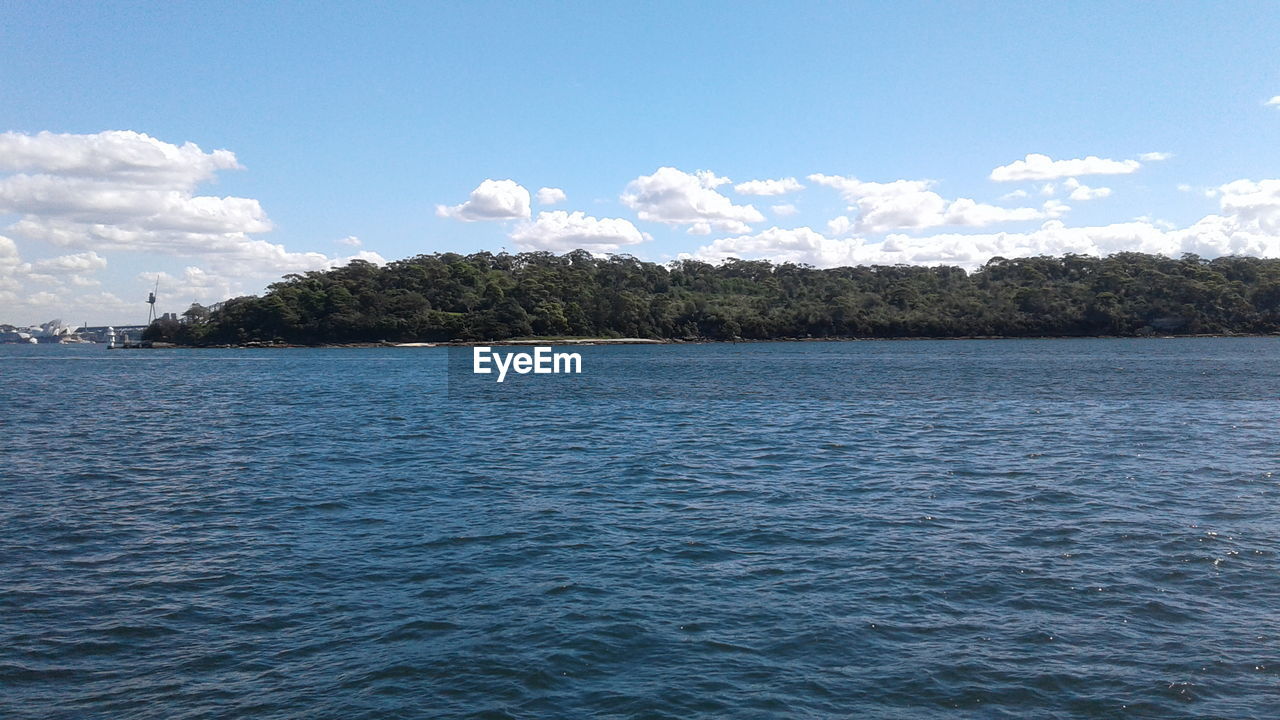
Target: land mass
447,297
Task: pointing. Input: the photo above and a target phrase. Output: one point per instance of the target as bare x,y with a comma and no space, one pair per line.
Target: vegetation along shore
483,297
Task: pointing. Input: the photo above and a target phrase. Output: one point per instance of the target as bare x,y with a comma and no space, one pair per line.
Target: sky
215,147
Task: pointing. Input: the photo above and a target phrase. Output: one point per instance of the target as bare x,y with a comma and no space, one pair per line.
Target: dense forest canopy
484,296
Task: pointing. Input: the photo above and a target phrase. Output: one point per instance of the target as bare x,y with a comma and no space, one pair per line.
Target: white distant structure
111,338
53,331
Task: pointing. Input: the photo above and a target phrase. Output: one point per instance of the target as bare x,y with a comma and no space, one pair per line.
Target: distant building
55,332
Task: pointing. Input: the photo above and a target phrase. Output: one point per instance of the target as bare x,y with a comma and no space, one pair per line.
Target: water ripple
1050,529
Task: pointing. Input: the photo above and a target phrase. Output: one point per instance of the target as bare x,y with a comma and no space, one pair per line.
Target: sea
1080,528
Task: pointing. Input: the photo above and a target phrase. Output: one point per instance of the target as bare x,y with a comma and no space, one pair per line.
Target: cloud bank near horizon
119,191
907,221
79,203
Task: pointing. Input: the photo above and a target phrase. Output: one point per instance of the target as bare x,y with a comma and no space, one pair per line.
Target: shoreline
259,345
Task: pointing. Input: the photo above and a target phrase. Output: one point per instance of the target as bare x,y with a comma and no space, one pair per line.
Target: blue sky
359,120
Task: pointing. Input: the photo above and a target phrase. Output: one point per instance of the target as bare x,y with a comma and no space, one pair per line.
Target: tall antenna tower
151,302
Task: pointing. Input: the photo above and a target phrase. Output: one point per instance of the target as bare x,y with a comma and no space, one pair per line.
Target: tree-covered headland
484,296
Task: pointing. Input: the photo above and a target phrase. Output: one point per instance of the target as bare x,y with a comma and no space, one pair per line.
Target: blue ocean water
978,529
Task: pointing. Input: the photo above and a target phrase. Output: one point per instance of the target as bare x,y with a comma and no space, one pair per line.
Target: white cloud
911,204
1084,192
123,156
711,180
804,245
550,196
1041,167
77,309
838,226
219,282
768,187
1249,224
368,256
560,231
1183,187
42,298
76,203
1253,204
194,285
110,303
127,191
350,241
786,210
122,190
148,220
1055,209
673,197
1155,156
10,260
75,269
1162,224
974,214
1274,102
1015,195
797,245
491,200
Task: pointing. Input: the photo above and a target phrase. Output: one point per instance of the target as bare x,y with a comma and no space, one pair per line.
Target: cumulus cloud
838,226
43,297
491,200
1155,156
193,285
797,245
560,231
711,180
1248,224
10,260
1084,192
217,283
1274,102
125,156
550,196
80,202
768,187
1252,204
350,241
197,284
127,191
804,245
905,204
673,197
122,190
1041,167
1055,209
74,269
783,210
